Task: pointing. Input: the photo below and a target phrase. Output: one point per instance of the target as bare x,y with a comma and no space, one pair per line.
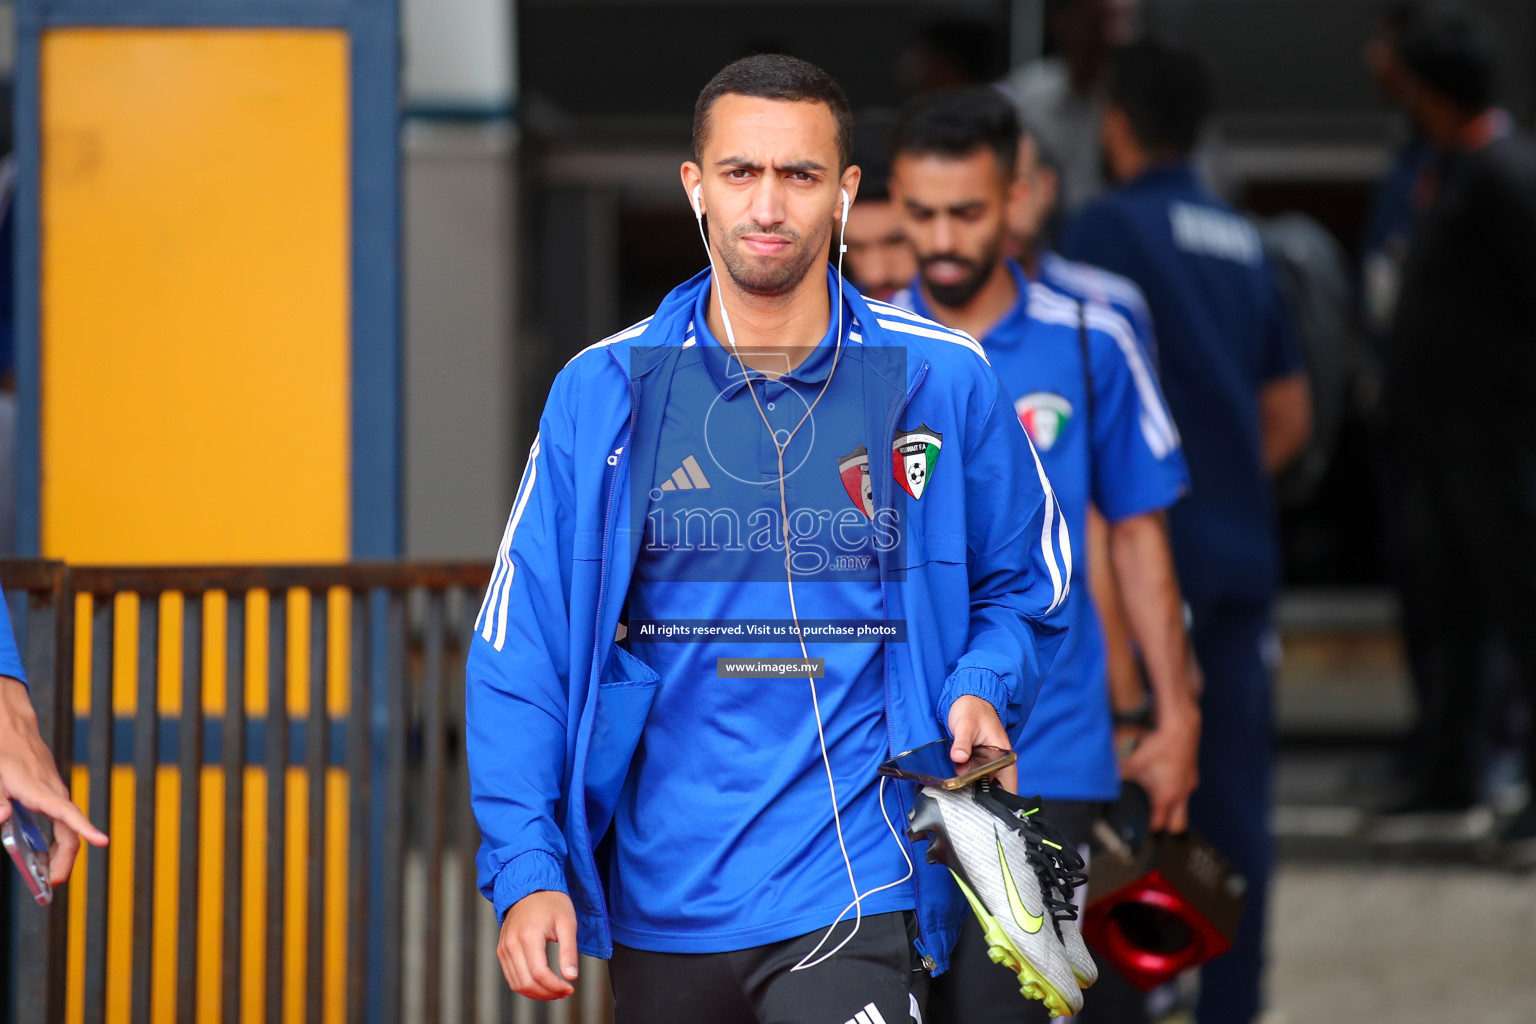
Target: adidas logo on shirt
688,477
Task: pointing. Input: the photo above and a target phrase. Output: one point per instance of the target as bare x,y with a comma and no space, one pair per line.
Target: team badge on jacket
854,469
913,456
1044,416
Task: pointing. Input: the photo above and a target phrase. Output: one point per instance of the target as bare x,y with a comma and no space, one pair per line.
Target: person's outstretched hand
1166,764
29,776
974,723
534,921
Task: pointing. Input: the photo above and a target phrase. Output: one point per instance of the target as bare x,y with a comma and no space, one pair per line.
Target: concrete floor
1402,944
1365,930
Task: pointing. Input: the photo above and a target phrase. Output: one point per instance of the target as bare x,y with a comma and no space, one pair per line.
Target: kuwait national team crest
913,456
1044,416
854,469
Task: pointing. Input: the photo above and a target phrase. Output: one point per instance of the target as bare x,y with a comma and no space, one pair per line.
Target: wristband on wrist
1140,716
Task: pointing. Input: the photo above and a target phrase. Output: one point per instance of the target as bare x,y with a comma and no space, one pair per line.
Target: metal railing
343,682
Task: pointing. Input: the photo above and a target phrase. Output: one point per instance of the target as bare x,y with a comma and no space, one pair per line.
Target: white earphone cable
856,905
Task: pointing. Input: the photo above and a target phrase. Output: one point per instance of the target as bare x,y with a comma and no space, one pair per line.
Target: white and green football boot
1057,864
1083,966
987,847
1061,871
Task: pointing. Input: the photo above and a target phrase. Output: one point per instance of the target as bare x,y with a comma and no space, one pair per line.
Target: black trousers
976,991
1472,519
875,979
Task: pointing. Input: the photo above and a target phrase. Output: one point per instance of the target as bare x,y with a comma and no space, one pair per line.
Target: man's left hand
974,723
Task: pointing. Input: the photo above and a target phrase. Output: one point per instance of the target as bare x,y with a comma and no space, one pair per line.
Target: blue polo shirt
1223,333
1120,451
754,857
1087,283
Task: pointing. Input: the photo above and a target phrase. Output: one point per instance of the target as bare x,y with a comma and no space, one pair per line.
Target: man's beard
779,277
963,291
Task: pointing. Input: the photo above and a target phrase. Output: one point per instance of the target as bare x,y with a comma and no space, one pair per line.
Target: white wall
459,53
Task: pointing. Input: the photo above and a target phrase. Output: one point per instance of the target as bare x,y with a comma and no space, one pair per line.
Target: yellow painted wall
195,342
195,295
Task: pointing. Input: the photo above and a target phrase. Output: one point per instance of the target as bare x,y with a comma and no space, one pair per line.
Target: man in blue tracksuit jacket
636,800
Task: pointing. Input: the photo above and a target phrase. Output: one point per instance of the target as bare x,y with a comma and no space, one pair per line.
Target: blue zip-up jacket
10,657
556,706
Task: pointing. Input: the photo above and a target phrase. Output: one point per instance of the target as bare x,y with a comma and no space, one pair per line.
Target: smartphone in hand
930,765
23,839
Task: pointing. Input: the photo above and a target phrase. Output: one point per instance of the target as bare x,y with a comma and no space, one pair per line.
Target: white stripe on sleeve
499,591
1059,586
1156,423
1157,427
938,334
517,515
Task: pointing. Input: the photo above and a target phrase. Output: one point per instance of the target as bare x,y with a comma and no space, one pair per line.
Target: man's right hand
530,925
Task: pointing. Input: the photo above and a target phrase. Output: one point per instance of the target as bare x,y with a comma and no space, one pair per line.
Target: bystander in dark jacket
1461,401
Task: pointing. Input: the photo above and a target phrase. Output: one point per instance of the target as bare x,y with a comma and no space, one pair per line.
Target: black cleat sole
926,822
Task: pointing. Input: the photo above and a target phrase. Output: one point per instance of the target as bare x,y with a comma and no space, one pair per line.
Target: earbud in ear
698,210
845,204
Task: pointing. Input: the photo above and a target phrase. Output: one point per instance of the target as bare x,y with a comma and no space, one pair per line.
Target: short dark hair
1451,50
775,76
1165,93
1045,156
958,122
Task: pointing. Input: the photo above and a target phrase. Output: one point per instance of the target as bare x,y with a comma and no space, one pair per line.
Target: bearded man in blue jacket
769,449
